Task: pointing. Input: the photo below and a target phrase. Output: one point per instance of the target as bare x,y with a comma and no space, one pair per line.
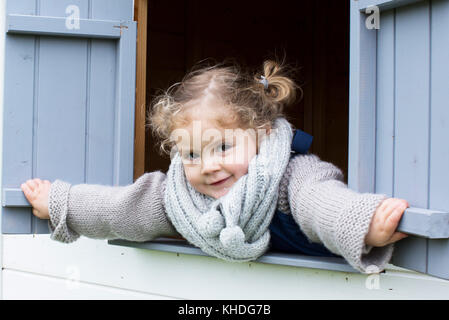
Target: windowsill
279,258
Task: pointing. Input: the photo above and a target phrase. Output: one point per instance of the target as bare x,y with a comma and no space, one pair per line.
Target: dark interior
312,35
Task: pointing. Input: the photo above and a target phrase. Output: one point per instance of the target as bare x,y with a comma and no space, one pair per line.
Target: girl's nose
210,164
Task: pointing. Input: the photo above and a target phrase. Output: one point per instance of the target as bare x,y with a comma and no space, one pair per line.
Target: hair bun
277,85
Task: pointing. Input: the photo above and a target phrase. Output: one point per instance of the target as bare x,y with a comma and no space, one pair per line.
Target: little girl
231,169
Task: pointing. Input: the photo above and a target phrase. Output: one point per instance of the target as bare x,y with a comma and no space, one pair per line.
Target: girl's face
214,158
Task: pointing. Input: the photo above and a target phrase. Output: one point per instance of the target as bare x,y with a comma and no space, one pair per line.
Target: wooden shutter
69,97
399,121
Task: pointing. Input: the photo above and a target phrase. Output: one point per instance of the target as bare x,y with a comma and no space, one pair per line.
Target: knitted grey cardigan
312,190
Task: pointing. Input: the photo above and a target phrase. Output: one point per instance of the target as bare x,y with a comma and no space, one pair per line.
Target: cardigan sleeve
328,212
134,212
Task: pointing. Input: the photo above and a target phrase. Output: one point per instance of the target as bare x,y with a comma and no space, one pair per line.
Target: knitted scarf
234,227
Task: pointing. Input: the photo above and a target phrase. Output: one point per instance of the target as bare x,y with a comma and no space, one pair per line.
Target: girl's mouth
220,182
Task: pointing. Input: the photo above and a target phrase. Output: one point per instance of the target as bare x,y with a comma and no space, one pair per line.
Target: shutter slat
425,223
55,26
384,4
12,197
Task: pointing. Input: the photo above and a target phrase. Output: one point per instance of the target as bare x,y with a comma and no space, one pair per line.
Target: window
371,114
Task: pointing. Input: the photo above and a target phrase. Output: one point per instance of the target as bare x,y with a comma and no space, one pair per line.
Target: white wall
36,267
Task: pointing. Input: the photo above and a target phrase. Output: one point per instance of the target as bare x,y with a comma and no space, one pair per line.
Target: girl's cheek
241,168
189,174
241,156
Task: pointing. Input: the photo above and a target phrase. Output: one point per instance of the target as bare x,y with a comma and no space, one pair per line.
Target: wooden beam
362,103
432,224
141,7
383,4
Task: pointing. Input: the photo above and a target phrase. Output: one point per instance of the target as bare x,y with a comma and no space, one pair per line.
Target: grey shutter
399,121
69,97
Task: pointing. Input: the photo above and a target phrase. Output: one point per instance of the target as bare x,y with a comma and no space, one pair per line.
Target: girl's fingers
387,211
28,192
393,219
385,203
394,205
397,236
32,184
386,207
25,188
37,213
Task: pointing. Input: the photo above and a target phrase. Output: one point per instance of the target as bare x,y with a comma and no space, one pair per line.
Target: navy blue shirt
286,236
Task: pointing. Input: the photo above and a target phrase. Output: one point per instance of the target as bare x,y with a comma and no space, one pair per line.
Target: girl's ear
260,137
268,129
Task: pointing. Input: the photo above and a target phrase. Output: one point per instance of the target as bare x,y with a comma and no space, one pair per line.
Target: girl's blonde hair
252,104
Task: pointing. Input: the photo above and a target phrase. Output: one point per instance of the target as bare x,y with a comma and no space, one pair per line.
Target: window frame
363,48
182,246
296,260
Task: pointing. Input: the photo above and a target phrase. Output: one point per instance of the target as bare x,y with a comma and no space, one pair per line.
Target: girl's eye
224,147
191,156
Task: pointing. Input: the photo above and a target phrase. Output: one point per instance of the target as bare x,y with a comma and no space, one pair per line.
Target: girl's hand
36,191
382,230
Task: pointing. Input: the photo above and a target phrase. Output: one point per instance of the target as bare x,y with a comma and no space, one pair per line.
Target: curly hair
251,102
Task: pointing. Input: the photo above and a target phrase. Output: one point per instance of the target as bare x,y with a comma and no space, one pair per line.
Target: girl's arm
330,213
134,212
